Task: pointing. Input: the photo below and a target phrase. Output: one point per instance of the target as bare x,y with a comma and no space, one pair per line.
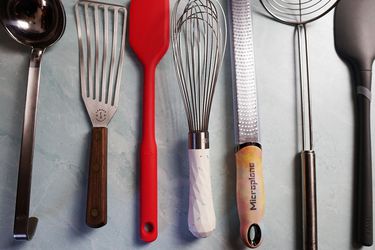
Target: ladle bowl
34,23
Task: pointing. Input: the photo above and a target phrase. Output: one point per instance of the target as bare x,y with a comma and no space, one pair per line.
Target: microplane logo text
253,187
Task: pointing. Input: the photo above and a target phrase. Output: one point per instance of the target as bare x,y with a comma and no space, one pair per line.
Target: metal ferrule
244,145
198,140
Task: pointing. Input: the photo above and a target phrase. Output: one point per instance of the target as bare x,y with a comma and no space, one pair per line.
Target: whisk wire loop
198,41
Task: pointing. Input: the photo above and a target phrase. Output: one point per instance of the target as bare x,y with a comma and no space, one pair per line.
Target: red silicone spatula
149,38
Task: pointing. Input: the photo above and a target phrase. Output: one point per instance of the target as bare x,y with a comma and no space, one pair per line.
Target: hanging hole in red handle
148,227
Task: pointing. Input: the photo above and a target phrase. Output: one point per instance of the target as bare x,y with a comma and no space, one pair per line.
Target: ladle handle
24,227
365,216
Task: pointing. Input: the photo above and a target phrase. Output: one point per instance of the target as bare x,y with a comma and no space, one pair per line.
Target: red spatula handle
148,192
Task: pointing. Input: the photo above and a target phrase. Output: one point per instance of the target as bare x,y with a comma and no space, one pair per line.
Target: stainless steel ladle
37,24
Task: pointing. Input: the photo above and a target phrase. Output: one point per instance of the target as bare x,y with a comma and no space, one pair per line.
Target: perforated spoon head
295,12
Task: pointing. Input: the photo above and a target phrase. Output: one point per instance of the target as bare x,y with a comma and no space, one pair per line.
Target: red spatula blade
149,29
149,38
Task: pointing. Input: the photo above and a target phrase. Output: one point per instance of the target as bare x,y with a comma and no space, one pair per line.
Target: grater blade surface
244,81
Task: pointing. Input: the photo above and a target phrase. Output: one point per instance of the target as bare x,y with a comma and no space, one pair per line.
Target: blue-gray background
63,135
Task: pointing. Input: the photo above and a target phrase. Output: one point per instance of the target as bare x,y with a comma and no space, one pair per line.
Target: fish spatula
101,30
149,38
355,43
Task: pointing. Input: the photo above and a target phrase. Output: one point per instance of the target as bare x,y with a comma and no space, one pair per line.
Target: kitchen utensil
355,43
198,40
149,38
250,187
37,24
101,40
298,13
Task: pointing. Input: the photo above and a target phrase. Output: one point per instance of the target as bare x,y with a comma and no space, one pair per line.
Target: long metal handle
307,139
309,212
24,227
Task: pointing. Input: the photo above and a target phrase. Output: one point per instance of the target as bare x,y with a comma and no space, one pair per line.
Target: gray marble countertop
63,136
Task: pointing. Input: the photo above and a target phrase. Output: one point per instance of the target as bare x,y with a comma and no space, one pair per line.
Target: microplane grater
244,81
250,193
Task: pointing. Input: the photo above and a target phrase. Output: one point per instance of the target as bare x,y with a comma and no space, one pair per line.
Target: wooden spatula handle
96,210
365,214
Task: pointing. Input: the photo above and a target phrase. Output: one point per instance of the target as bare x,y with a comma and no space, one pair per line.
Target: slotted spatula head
355,32
149,29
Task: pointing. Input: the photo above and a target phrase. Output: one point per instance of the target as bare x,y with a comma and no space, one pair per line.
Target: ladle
37,24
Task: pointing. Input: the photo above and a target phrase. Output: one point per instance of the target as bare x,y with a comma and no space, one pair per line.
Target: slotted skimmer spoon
37,24
355,42
298,13
101,29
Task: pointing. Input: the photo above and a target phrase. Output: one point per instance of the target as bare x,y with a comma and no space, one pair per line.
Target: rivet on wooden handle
250,194
96,210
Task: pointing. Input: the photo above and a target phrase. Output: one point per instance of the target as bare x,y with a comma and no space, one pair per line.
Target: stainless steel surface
307,136
243,69
199,34
37,24
198,140
22,221
309,210
101,37
298,13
